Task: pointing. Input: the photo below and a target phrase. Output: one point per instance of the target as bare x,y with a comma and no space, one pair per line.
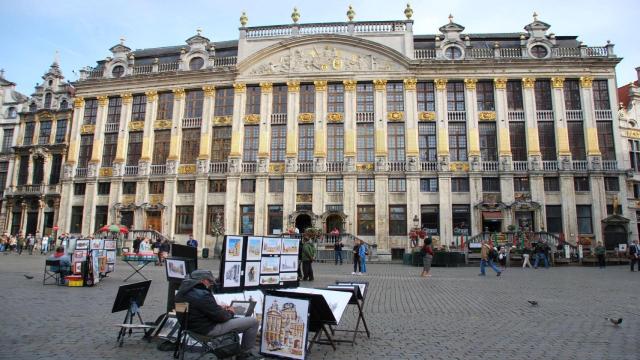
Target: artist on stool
208,318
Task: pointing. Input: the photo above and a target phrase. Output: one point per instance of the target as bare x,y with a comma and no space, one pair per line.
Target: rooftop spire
56,58
122,39
450,19
199,31
535,16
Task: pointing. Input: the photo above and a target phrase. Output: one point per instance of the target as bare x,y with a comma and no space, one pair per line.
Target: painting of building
284,327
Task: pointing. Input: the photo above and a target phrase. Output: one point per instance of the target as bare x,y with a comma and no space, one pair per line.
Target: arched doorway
334,221
614,235
303,222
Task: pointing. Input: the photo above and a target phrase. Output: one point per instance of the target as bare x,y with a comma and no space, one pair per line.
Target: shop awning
492,215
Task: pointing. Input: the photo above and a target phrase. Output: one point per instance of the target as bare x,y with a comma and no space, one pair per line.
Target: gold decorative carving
500,83
365,167
557,82
178,93
380,84
156,198
586,81
470,83
162,124
276,168
305,117
187,169
395,115
103,100
106,171
487,115
427,115
136,126
152,95
266,87
528,82
128,199
293,86
87,129
410,83
209,90
239,87
321,85
441,84
78,102
634,134
127,98
304,198
349,85
222,120
252,119
334,117
459,166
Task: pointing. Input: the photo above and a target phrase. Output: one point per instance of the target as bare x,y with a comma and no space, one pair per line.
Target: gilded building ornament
162,124
127,98
106,171
209,90
500,83
365,167
557,82
408,12
239,87
152,95
441,84
334,117
470,83
128,199
349,85
276,168
266,87
252,119
156,199
586,81
222,120
178,93
304,198
321,85
305,117
395,115
244,19
528,82
103,100
187,169
293,86
427,116
380,84
410,83
487,115
136,126
459,166
351,13
295,15
87,129
78,102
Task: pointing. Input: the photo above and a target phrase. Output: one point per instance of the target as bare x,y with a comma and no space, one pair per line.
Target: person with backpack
307,257
487,253
600,254
634,255
363,251
427,256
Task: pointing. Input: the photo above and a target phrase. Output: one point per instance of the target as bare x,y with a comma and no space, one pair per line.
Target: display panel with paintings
176,269
233,248
285,324
110,245
271,246
290,246
254,248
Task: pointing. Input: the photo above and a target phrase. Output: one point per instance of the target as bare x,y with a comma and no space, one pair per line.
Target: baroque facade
361,126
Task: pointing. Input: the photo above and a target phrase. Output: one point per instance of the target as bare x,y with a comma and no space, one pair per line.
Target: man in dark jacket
207,317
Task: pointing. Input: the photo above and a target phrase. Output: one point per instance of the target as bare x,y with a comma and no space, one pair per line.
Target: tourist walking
363,251
427,257
31,243
44,247
356,258
634,255
487,253
307,257
337,248
165,247
21,243
156,250
13,243
600,254
525,257
136,244
540,250
502,258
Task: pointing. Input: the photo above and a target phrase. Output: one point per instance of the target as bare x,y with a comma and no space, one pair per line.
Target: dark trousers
601,261
356,264
307,270
338,256
633,261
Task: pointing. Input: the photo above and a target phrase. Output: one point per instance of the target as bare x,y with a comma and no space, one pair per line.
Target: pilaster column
320,128
569,217
349,128
149,119
23,218
591,129
502,119
445,209
74,132
13,180
30,172
48,160
559,114
598,205
98,135
206,129
473,135
293,109
89,213
443,132
380,124
381,197
237,133
533,142
123,131
260,210
8,206
40,221
350,201
232,204
411,127
266,102
169,213
176,129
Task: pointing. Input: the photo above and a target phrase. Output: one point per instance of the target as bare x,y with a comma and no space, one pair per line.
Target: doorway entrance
614,235
334,222
32,223
48,223
491,225
524,220
303,222
154,221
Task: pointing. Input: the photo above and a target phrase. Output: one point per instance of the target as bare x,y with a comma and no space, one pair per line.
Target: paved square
454,315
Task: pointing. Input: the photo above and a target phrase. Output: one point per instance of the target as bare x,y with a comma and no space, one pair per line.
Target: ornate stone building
363,126
32,200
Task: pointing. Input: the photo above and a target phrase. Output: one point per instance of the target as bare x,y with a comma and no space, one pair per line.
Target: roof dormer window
117,71
47,100
196,63
539,51
453,53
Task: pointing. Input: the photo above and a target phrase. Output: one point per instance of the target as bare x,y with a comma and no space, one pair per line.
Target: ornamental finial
122,39
408,12
351,13
535,16
295,15
243,19
199,31
450,19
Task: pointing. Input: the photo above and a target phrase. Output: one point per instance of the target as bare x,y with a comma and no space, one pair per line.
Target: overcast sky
84,30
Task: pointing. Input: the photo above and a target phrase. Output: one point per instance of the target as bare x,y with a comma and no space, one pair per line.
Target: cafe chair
51,272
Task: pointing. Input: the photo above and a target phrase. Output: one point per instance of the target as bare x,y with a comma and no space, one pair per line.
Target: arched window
117,71
12,113
539,51
453,53
196,63
64,104
47,100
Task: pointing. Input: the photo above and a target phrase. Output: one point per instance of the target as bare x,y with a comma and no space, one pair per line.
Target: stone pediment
329,54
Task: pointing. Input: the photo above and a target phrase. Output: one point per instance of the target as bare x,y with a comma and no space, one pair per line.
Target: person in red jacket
427,257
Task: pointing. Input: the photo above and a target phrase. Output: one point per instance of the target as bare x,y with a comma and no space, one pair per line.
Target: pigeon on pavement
28,276
532,302
615,322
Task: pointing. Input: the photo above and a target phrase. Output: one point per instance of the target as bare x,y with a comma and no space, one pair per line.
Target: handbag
226,345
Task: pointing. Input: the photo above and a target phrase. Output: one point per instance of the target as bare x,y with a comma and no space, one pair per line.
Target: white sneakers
353,273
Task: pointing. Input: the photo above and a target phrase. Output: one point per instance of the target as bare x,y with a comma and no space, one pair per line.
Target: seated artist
206,317
65,263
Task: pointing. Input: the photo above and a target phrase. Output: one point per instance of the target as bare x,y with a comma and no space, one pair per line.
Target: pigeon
532,302
28,276
615,322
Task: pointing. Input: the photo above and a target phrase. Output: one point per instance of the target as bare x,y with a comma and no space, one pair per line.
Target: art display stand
357,299
131,298
91,261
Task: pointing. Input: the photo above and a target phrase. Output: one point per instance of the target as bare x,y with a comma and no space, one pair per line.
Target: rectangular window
186,186
366,220
395,141
395,96
459,184
61,131
278,142
484,93
427,141
601,95
102,215
109,149
23,172
366,185
554,219
335,185
429,185
547,136
305,186
221,144
611,184
29,129
364,97
76,219
247,213
488,141
184,219
426,96
129,187
134,149
575,130
605,140
56,167
165,106
514,95
193,104
276,185
581,183
79,189
458,141
491,184
397,185
280,94
104,188
551,184
585,225
335,142
430,218
275,219
7,140
335,98
224,102
307,98
4,169
572,95
138,107
542,92
215,214
253,100
90,112
190,146
461,218
114,110
248,185
161,146
365,143
305,142
517,137
126,218
156,187
397,220
455,96
45,132
218,186
521,184
251,140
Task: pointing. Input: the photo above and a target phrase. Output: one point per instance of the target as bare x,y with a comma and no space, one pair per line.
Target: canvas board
227,299
176,269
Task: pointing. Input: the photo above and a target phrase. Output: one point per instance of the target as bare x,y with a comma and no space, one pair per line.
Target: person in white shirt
44,247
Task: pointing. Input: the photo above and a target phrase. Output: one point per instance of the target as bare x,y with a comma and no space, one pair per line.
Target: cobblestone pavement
453,315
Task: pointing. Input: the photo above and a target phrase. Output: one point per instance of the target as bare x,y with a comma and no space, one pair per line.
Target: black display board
184,251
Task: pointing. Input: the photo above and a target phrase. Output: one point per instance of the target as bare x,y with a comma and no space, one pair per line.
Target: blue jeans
544,257
338,257
483,264
363,264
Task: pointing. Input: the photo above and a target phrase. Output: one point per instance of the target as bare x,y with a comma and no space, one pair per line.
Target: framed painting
97,244
79,255
285,326
82,244
290,246
232,274
110,245
254,248
271,246
270,265
233,249
252,273
289,263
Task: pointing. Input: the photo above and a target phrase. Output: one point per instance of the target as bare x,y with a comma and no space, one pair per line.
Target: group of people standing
160,248
31,243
